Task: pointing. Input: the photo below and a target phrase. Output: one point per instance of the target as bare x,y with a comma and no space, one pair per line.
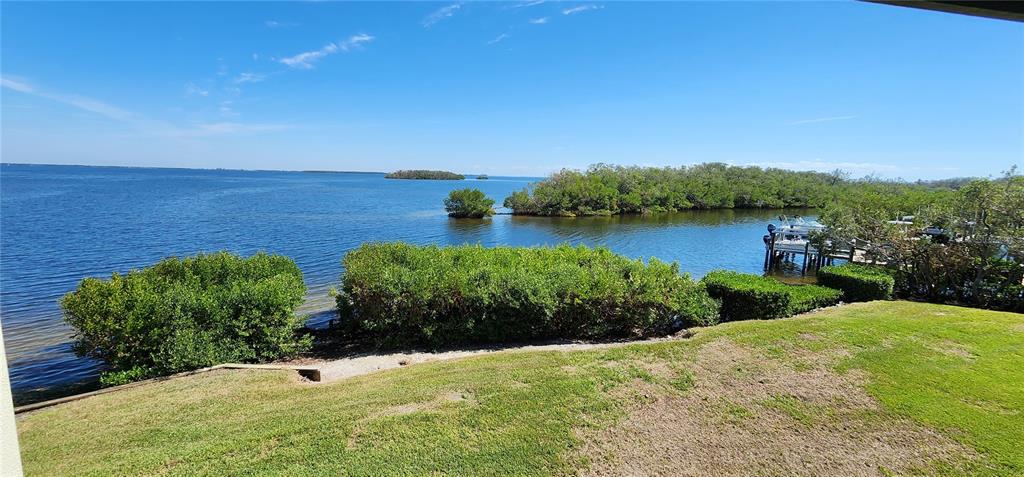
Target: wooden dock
783,248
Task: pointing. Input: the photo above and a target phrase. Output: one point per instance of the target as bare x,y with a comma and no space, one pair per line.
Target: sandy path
335,370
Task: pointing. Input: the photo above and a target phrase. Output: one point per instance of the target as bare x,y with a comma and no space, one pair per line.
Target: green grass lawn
933,378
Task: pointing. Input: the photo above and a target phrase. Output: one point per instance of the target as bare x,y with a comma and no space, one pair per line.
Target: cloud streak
539,21
306,60
223,128
440,14
192,89
249,78
145,125
498,38
277,24
81,102
580,9
528,4
820,120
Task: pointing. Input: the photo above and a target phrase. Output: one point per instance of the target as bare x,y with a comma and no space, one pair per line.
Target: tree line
424,174
605,189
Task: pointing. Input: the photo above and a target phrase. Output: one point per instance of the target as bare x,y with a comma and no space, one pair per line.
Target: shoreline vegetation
185,314
605,189
425,174
402,294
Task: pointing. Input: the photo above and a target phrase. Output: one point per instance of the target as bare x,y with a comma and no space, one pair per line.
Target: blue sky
519,88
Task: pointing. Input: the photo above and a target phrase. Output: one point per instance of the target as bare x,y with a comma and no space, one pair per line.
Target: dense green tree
468,203
977,259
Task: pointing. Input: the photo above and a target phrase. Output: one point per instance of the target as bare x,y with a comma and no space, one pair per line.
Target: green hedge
401,294
858,282
185,314
754,297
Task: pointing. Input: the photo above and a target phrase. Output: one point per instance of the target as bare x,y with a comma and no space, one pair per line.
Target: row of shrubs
401,294
184,314
754,297
858,282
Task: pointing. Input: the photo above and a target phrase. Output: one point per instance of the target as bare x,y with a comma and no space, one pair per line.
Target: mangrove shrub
401,294
183,314
468,203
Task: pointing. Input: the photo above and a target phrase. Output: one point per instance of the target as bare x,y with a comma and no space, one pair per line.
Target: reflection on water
63,223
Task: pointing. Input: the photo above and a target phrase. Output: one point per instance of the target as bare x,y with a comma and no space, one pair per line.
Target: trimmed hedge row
858,282
184,314
401,294
754,297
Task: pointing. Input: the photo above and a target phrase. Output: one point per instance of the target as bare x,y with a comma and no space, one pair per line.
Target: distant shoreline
178,168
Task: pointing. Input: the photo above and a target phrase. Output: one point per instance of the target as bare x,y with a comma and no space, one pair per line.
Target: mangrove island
425,174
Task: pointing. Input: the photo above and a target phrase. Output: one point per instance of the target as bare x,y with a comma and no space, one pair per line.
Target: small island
482,177
424,174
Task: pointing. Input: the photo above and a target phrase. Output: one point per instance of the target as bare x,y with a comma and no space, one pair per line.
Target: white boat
797,227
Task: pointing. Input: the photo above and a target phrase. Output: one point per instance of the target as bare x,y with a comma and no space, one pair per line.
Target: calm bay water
59,224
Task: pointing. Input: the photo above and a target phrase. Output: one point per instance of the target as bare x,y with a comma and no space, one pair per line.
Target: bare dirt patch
749,415
437,402
459,397
953,348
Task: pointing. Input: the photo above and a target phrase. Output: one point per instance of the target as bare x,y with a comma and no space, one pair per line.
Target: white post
10,454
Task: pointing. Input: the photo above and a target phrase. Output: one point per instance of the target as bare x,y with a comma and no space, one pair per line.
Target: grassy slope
958,370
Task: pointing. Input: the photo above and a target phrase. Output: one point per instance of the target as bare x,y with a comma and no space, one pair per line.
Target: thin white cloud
305,61
580,9
226,110
528,4
16,85
249,78
277,24
143,124
440,14
540,21
227,127
821,120
192,89
354,41
80,102
498,38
